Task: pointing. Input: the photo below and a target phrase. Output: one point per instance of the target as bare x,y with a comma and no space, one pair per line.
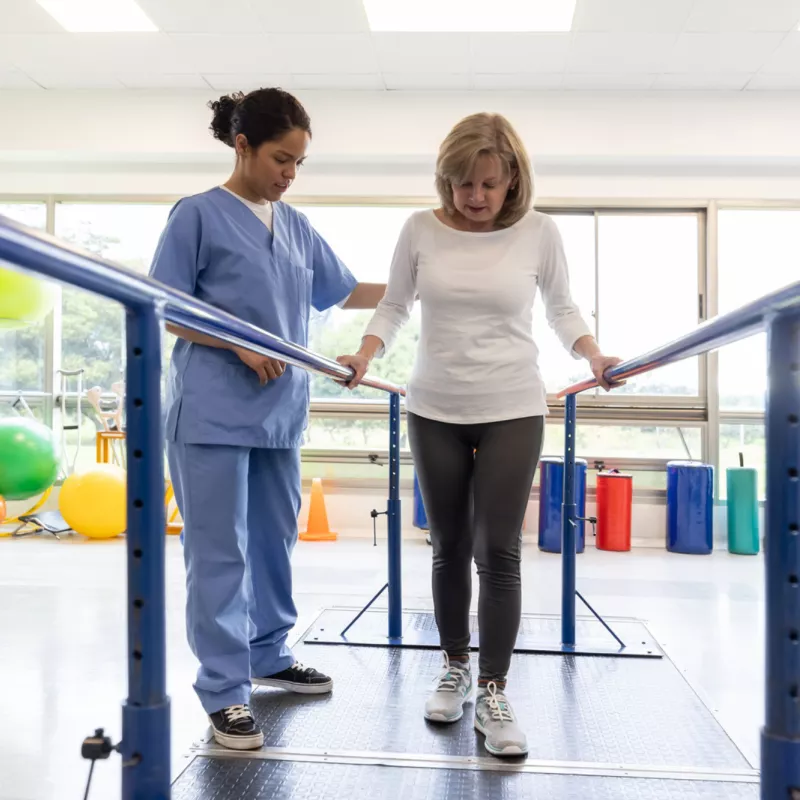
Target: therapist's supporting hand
267,369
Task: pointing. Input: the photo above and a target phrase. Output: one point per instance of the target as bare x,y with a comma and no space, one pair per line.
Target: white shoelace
235,713
448,679
298,667
498,704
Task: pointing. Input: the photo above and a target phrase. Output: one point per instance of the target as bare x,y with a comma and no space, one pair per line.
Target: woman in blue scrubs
235,419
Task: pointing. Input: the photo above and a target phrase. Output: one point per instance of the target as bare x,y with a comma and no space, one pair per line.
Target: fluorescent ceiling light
470,16
98,16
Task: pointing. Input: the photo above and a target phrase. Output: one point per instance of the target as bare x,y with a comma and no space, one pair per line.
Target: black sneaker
235,728
299,679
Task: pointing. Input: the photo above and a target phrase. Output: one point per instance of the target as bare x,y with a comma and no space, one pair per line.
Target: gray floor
63,655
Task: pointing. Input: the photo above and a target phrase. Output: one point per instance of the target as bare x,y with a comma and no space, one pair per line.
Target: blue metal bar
568,513
599,618
145,715
394,523
780,737
364,610
711,335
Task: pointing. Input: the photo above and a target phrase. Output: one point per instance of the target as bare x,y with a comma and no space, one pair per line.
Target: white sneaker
453,689
495,719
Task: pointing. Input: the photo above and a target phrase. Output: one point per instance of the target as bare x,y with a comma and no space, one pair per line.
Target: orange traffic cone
318,529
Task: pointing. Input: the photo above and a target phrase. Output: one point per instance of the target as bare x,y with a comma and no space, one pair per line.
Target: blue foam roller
551,498
690,507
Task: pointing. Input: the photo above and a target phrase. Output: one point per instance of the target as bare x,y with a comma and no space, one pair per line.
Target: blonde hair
485,134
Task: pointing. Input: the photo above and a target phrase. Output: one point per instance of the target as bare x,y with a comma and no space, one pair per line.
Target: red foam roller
614,504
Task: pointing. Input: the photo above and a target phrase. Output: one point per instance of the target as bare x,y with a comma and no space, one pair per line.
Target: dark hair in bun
262,116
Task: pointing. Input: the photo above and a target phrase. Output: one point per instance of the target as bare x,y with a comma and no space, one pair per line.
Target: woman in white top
476,400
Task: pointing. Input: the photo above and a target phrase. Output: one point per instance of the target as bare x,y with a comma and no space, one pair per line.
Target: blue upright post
568,530
145,715
780,737
394,520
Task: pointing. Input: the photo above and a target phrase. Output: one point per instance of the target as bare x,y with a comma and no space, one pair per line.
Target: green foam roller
743,511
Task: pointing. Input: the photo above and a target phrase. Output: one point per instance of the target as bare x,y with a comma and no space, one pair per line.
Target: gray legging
475,482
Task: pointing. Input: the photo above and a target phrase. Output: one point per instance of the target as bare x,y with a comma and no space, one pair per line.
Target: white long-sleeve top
476,359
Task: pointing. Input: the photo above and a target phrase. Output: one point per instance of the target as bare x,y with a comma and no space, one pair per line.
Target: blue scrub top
216,249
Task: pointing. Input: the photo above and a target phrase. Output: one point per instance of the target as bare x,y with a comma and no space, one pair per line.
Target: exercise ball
93,501
28,458
3,510
24,300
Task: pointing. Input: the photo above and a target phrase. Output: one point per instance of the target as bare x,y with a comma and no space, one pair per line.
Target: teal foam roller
743,511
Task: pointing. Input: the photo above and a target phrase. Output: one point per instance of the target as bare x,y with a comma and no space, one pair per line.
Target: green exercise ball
28,458
24,300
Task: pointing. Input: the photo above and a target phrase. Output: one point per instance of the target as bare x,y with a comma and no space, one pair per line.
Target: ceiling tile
427,81
708,81
716,16
317,54
338,82
91,52
722,52
14,79
608,81
774,83
226,53
246,82
420,53
786,59
519,52
202,16
631,16
519,81
26,16
143,80
311,16
620,53
68,79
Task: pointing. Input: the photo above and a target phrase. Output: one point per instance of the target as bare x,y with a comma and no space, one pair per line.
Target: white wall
584,146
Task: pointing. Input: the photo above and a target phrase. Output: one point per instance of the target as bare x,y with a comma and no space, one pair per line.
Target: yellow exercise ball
24,299
93,501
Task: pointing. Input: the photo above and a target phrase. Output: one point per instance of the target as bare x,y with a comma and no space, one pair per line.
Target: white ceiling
730,45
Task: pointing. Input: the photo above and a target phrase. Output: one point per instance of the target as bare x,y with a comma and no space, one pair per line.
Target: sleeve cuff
569,331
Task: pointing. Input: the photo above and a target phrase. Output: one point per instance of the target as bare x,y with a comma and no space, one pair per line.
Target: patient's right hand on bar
359,364
267,369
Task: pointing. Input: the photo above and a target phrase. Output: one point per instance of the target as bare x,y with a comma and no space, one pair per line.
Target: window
23,363
93,327
626,441
364,237
558,367
757,254
648,279
338,433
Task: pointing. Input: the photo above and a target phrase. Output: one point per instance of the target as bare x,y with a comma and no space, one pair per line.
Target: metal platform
256,779
537,634
597,727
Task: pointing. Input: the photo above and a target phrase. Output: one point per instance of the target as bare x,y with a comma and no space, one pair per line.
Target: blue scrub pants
239,507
